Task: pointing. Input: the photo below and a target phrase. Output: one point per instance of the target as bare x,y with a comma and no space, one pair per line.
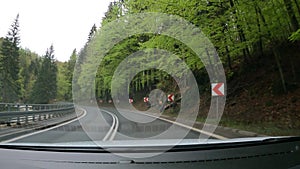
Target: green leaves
295,36
240,30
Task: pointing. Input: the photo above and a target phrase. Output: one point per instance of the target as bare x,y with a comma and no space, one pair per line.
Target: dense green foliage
45,86
242,32
30,64
29,78
295,36
65,78
9,64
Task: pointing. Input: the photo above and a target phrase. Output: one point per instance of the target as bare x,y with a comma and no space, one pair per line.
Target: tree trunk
281,25
291,14
228,58
297,5
274,50
293,69
280,69
260,43
211,69
241,32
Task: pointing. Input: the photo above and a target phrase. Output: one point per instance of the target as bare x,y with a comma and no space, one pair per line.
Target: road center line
113,129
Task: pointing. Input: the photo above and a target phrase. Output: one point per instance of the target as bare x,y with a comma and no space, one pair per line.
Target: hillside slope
256,100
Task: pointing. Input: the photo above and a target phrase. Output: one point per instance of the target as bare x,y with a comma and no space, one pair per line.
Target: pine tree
69,73
9,64
92,33
45,88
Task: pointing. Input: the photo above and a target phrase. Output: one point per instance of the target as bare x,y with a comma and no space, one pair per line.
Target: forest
243,32
257,42
27,77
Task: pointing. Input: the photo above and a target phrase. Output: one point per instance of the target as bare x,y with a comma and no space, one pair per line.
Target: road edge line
44,130
185,126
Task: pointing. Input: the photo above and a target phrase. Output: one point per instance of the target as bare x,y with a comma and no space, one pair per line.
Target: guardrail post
8,122
26,119
18,121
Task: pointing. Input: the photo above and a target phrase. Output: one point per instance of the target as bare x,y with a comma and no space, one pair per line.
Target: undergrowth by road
256,101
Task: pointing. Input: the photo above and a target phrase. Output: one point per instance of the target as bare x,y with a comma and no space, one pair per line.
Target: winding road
109,125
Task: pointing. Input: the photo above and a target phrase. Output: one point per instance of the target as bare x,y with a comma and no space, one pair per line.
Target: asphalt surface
95,125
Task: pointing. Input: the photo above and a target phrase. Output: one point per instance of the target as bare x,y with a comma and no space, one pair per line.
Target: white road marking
110,135
41,131
116,128
185,126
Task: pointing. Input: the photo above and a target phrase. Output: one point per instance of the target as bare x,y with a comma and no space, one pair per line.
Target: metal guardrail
29,107
23,114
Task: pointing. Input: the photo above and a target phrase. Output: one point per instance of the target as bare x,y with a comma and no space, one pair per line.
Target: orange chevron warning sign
217,89
146,99
171,97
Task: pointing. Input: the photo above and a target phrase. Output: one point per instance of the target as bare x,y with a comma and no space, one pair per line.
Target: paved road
147,127
95,125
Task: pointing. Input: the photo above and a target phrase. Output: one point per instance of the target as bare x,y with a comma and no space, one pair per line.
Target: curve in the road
184,126
113,129
116,127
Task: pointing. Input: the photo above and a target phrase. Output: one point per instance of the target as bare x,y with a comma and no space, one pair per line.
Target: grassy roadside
263,128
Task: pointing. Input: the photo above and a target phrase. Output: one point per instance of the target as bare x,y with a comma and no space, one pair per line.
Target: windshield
147,73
